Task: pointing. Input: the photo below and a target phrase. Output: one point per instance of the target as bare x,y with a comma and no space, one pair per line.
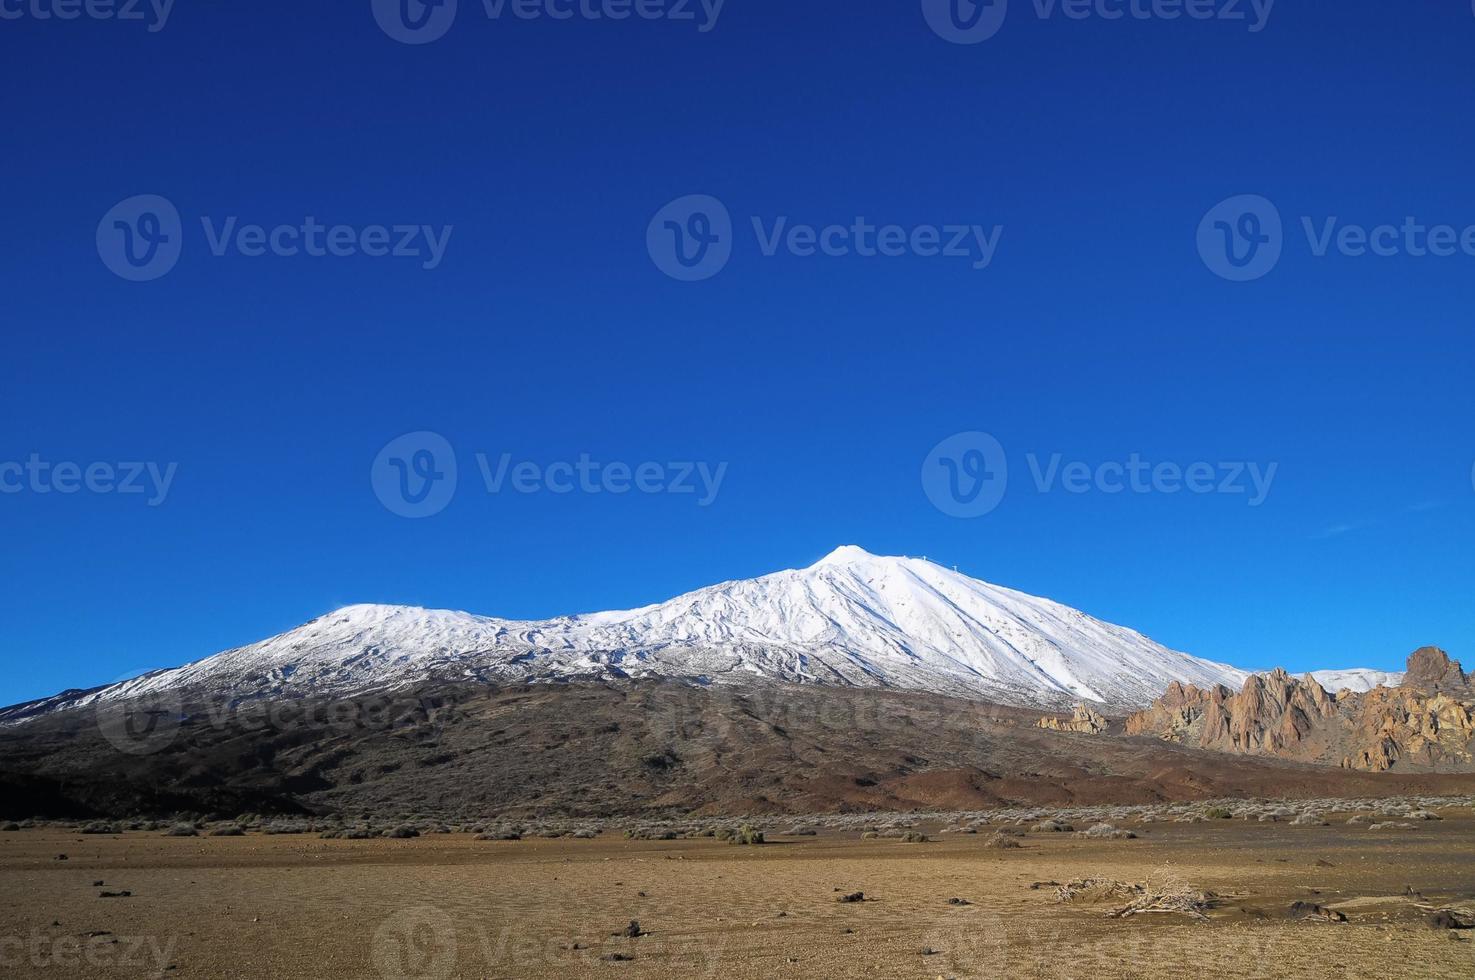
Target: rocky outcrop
1427,723
1400,724
1083,720
1430,670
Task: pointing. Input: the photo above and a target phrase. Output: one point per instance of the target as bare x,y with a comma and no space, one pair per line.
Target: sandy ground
448,906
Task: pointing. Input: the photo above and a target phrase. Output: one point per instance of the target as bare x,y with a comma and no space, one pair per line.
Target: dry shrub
1166,892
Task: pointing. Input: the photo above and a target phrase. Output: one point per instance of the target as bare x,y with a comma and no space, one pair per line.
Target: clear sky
1097,333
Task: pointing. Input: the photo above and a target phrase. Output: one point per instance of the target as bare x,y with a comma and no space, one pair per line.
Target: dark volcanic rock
582,750
1310,910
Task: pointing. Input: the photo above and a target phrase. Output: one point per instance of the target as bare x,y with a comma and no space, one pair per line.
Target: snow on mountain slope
850,619
1357,679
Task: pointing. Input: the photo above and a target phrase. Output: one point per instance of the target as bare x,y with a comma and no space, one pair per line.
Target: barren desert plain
1002,893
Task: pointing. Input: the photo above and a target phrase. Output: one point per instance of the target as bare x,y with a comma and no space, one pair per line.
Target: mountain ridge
849,619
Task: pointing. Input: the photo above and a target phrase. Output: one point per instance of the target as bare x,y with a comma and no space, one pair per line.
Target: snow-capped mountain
852,618
1357,679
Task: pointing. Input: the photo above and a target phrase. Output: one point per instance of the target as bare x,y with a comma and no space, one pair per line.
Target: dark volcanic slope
604,749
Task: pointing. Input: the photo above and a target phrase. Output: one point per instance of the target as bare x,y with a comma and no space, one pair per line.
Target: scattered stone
115,895
616,958
1310,910
1449,919
632,931
958,901
852,897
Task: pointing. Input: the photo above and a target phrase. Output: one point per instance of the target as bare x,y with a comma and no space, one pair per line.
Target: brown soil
448,906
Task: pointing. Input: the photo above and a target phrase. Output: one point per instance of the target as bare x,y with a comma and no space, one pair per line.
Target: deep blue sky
822,382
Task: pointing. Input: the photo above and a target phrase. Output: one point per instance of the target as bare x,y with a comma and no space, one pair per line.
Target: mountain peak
846,554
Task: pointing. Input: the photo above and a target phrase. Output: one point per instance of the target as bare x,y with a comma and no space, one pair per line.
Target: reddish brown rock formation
1083,719
1430,670
1428,723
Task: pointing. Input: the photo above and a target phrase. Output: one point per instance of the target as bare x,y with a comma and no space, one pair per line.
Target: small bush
182,830
1105,831
747,835
914,837
402,832
1218,813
